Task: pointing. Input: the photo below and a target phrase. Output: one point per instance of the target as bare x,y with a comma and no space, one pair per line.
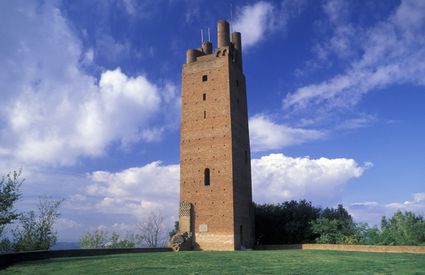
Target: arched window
207,176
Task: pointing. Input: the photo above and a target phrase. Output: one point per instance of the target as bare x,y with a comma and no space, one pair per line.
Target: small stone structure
182,240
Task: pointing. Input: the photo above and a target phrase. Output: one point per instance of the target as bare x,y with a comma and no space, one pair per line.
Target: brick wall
214,135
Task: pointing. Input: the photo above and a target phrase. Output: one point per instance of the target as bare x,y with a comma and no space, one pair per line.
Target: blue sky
90,94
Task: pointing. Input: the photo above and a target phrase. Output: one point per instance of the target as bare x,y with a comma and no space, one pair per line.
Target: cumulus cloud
138,190
372,211
392,52
277,177
54,112
268,135
155,187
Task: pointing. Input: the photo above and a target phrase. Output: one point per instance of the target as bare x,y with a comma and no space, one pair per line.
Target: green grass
240,262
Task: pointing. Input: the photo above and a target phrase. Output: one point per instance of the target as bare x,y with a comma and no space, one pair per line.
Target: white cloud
155,187
418,203
258,20
130,6
254,21
54,112
66,224
277,178
393,52
121,228
268,135
419,197
343,43
137,190
362,120
112,50
372,211
365,203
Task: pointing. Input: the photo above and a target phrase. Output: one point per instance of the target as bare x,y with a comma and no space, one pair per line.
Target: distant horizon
91,104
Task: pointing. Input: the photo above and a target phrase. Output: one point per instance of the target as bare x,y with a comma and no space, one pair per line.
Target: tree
152,230
9,194
371,236
100,239
285,223
130,241
340,213
403,229
336,226
300,222
36,229
174,231
334,231
97,239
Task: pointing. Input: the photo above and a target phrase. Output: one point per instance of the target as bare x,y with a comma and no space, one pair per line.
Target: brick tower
215,163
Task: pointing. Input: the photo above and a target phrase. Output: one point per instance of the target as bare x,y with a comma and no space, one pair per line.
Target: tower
215,167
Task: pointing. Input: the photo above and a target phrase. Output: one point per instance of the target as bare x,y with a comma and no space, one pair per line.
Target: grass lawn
239,262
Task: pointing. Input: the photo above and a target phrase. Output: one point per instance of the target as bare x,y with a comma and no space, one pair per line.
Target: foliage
299,222
403,229
152,230
97,239
130,241
174,231
9,195
371,235
249,262
101,239
336,226
285,223
5,245
36,229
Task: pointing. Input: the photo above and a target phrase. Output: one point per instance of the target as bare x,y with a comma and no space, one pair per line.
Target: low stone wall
278,246
12,258
342,247
366,248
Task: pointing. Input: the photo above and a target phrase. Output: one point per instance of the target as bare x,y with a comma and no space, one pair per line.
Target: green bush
101,239
403,229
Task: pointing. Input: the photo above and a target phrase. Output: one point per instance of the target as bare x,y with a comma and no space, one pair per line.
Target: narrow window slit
207,176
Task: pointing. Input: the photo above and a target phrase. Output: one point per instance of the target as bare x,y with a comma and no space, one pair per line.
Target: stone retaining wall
341,247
